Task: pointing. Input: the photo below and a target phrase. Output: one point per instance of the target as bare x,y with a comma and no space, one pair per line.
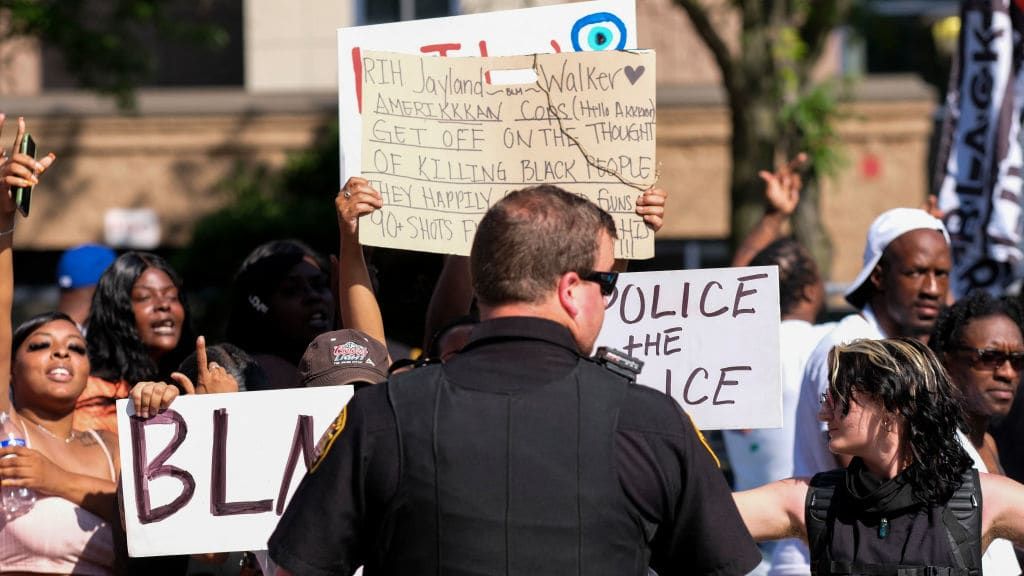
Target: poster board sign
576,26
214,472
708,338
443,140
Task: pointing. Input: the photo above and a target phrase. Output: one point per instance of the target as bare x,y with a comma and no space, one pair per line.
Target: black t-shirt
665,470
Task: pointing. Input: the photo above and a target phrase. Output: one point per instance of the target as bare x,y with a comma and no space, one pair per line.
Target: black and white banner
979,164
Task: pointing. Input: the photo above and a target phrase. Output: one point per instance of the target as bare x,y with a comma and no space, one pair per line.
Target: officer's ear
569,286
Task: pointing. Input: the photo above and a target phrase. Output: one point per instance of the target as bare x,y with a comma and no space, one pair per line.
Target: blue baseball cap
83,265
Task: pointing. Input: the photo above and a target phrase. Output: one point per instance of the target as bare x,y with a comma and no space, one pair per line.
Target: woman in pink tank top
44,366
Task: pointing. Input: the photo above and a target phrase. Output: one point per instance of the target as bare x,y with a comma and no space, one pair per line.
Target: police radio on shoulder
619,362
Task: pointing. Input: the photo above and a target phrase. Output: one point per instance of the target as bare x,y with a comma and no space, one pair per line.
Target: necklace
71,435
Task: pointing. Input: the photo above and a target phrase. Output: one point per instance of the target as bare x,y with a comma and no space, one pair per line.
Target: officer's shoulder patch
327,440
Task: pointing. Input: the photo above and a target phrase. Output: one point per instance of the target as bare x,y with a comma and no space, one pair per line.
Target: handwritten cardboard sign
443,140
571,27
214,473
708,338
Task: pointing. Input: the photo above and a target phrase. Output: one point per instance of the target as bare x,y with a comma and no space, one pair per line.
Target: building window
382,11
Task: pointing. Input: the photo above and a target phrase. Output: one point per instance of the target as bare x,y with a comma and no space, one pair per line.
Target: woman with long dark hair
72,472
139,330
281,301
909,503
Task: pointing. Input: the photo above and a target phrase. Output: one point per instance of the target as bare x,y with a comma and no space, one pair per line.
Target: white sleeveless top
57,536
999,559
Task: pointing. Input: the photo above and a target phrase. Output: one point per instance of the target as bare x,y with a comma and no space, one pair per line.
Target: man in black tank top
520,455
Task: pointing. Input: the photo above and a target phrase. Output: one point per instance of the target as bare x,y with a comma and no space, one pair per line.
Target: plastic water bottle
16,501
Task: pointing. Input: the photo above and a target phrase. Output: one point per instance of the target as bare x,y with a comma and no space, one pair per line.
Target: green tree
107,45
775,107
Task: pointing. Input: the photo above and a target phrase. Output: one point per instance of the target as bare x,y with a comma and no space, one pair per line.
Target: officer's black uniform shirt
665,470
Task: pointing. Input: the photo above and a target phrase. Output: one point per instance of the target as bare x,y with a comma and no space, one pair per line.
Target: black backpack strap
962,518
817,508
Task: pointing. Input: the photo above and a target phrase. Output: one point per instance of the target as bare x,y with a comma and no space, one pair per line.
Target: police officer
519,455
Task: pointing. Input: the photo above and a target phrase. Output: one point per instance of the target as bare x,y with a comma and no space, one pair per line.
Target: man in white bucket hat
899,291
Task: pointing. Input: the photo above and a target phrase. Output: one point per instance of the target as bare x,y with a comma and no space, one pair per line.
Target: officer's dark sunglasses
991,359
606,280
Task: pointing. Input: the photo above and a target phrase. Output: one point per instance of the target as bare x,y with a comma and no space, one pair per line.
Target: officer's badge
327,440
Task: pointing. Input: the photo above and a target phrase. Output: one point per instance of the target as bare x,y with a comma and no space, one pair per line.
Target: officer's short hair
530,238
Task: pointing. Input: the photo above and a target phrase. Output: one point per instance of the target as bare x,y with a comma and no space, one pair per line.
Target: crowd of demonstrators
506,448
900,291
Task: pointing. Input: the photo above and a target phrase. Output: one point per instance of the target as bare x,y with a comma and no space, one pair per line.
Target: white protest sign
708,338
214,472
442,144
574,27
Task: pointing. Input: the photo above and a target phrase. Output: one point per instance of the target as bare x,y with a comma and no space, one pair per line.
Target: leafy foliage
776,107
104,44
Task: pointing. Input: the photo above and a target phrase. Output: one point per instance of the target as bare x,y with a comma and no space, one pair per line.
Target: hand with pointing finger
212,378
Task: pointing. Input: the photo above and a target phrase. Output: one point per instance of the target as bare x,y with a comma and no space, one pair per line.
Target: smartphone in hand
23,194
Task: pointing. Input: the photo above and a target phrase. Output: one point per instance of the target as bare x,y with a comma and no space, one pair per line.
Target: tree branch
702,24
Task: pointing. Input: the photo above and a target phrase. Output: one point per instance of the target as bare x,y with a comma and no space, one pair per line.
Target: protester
139,329
519,454
1008,432
44,367
979,342
909,501
78,272
281,300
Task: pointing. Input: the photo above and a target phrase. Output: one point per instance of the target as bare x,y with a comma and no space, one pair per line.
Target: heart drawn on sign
633,74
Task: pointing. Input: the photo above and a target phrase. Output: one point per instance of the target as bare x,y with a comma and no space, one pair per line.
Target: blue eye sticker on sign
598,31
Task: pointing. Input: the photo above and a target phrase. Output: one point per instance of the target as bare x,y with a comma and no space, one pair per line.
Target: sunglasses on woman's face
606,280
991,359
